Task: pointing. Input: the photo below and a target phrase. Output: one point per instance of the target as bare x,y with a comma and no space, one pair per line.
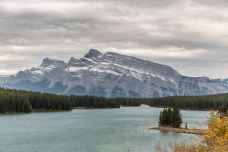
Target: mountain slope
111,75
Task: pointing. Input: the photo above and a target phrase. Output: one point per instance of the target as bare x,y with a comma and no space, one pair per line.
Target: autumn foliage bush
215,137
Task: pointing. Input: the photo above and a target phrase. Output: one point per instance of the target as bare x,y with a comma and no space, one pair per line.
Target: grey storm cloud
189,35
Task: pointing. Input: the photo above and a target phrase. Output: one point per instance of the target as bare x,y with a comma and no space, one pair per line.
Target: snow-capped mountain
111,75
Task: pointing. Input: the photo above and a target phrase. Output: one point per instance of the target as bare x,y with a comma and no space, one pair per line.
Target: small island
170,120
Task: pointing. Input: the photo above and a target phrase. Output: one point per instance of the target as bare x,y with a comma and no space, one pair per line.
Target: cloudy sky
189,35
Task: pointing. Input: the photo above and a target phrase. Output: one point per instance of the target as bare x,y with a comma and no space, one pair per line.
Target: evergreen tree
170,117
186,125
177,118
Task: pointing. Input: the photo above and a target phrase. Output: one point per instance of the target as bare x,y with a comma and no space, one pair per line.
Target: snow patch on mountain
111,75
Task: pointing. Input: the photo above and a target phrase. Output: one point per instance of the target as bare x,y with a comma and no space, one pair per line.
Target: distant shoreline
178,130
82,108
186,109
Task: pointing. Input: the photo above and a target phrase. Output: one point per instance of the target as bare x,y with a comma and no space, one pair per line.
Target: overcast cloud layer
189,35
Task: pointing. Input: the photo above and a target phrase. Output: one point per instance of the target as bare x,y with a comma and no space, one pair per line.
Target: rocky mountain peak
47,62
93,54
111,75
73,61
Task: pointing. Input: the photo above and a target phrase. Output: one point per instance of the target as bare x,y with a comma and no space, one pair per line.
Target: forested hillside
183,102
191,102
16,101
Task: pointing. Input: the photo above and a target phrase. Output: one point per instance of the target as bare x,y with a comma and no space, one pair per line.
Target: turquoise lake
99,130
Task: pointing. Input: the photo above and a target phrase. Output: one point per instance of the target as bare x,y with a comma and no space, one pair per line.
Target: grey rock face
93,54
111,75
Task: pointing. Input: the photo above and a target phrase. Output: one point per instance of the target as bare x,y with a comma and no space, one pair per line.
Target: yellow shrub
215,138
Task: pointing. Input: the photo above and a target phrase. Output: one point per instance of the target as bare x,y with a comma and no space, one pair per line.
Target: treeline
93,102
127,102
183,102
190,102
25,101
11,101
16,101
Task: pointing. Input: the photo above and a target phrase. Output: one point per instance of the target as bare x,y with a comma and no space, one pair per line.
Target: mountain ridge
111,75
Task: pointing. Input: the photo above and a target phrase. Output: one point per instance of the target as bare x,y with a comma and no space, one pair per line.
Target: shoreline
178,130
186,109
88,108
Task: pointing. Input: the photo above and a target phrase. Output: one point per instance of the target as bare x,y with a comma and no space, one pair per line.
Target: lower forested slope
19,101
191,102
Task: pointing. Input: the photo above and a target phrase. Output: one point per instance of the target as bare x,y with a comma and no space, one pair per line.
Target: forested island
19,101
170,117
170,120
213,139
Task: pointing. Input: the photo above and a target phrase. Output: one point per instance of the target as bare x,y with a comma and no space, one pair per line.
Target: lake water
104,130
